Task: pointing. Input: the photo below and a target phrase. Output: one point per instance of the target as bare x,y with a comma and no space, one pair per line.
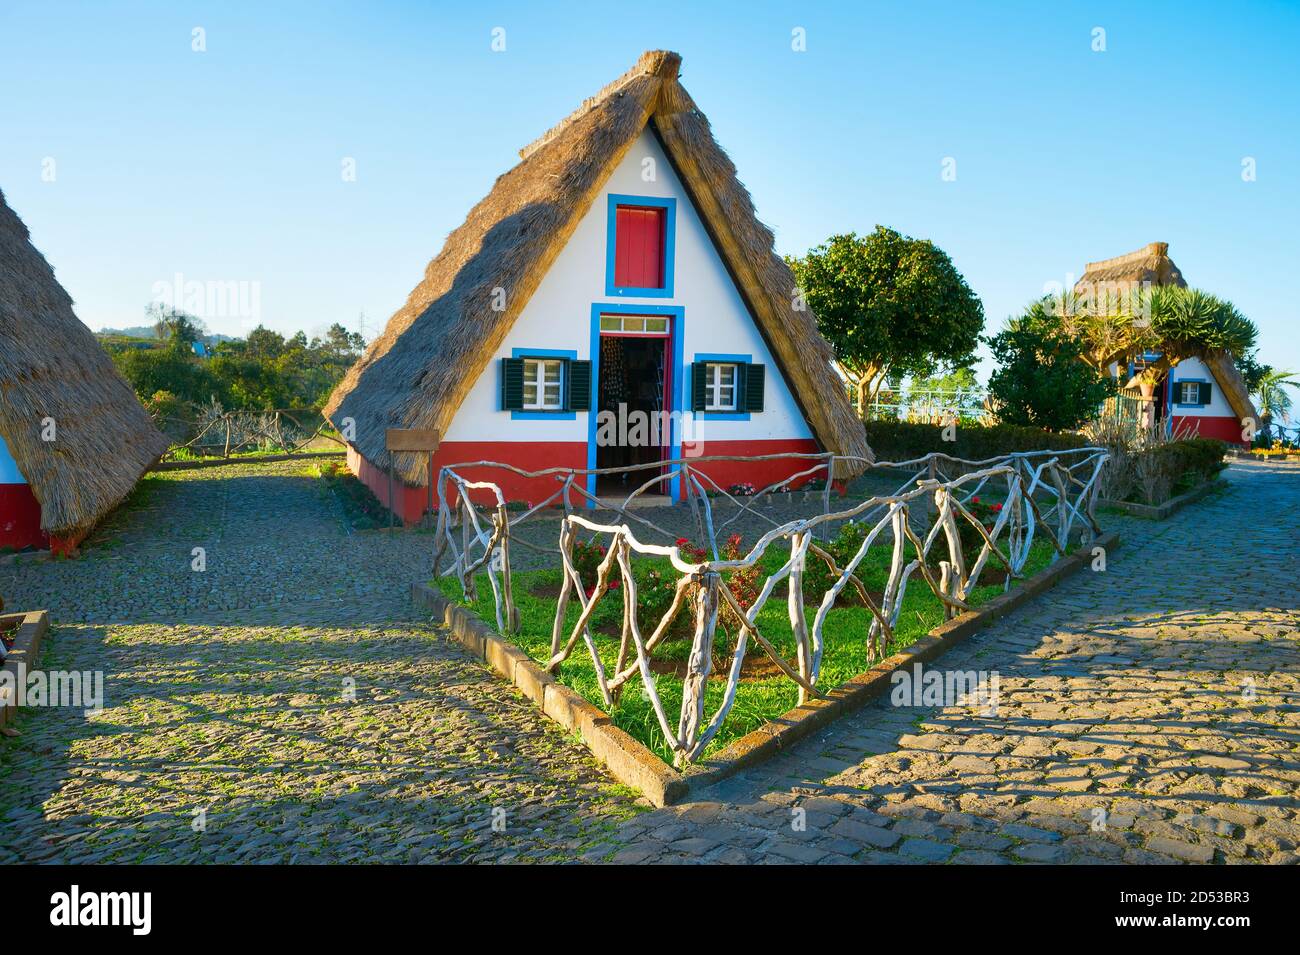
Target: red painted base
411,502
20,518
1224,428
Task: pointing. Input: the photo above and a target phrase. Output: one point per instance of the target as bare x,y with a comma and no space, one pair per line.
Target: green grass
844,656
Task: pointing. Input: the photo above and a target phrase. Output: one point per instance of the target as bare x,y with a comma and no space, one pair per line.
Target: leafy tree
1042,379
889,305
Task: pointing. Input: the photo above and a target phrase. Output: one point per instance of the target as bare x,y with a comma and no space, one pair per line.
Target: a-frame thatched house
1207,397
73,438
618,270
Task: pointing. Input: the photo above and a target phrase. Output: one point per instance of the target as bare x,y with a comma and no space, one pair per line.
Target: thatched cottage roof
417,373
51,366
1149,264
1152,264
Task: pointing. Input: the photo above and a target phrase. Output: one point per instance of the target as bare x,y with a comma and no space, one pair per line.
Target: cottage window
1189,393
720,385
543,384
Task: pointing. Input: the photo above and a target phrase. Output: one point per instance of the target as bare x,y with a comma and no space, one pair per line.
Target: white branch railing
1054,491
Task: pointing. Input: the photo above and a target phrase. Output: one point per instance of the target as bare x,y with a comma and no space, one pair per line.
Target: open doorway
635,375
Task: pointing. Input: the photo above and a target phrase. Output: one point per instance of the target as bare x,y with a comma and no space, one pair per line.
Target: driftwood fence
232,432
1047,492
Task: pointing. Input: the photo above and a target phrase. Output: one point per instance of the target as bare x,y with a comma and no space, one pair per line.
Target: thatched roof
1149,264
1233,385
1152,264
417,373
51,366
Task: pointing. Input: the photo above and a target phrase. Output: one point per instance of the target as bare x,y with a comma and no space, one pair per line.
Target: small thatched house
1208,395
73,438
617,274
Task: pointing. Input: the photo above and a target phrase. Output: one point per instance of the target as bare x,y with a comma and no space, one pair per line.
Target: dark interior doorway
633,382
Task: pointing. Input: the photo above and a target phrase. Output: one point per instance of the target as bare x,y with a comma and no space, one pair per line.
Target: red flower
682,542
974,500
613,584
997,507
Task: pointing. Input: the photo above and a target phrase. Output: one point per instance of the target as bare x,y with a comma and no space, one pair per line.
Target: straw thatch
418,372
51,367
1151,265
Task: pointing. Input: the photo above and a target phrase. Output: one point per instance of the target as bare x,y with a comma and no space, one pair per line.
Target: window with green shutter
544,383
727,387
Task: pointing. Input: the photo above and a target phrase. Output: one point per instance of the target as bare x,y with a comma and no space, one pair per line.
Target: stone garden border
1160,512
633,764
32,627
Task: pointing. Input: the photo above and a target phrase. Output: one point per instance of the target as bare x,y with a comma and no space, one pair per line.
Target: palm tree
1272,398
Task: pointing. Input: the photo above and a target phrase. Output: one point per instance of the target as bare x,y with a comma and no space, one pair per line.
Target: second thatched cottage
617,271
1205,397
73,437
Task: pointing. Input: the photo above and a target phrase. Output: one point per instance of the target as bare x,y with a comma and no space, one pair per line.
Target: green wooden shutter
754,378
512,384
1205,393
699,384
578,376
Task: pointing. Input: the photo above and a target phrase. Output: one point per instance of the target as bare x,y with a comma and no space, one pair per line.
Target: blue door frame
676,334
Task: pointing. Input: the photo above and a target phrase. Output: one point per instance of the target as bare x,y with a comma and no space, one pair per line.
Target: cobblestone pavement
225,699
1150,713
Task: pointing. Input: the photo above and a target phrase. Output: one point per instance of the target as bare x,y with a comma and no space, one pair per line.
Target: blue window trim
727,359
611,243
543,415
677,333
1175,386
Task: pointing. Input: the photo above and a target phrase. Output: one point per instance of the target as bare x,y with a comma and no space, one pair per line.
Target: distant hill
136,331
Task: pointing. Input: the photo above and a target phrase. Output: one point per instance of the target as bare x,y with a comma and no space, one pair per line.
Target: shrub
1042,379
901,440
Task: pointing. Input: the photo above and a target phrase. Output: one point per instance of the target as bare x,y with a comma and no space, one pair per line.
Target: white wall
559,317
1195,369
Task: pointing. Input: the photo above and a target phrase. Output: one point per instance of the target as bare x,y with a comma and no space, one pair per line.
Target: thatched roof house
444,343
73,438
1210,392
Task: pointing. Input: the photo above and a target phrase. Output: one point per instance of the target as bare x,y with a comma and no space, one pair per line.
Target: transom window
634,323
543,384
1189,393
720,387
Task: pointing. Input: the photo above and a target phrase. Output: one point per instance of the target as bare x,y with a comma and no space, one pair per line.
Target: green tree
889,305
1271,398
1042,379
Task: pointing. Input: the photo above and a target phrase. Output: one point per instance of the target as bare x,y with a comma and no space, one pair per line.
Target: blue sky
225,165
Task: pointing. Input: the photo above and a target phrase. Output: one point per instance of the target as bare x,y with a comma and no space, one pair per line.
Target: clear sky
133,158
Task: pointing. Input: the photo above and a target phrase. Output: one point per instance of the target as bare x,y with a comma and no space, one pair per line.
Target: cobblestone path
226,699
1150,713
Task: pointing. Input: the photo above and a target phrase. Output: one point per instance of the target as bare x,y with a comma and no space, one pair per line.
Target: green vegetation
1042,381
903,440
889,305
761,695
265,371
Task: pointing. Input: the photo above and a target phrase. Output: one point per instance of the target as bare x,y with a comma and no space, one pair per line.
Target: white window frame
535,377
1182,393
715,388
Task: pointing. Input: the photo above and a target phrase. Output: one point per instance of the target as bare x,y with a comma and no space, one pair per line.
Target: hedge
902,440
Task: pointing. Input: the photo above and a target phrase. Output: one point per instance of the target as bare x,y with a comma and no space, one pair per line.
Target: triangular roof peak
419,371
661,63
